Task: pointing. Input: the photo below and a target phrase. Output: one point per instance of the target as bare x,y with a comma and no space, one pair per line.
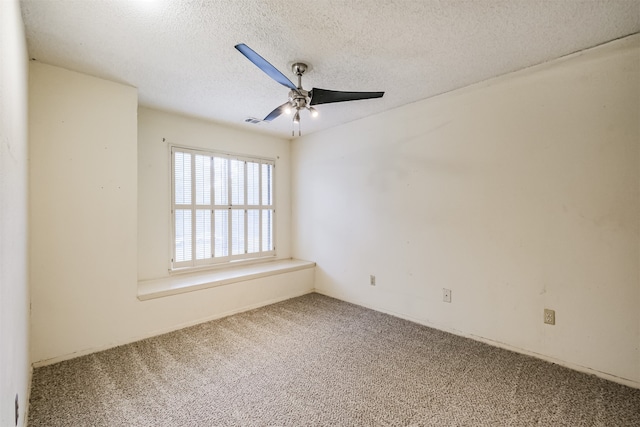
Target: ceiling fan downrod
299,98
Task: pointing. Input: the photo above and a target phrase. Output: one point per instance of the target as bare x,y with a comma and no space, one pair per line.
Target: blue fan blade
275,113
264,65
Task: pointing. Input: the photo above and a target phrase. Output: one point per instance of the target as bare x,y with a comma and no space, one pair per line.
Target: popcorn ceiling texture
316,361
180,55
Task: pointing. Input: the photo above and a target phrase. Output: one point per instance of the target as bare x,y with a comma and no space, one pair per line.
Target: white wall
85,225
14,290
156,131
518,194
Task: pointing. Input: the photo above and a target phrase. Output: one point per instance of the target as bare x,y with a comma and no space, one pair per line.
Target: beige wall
83,210
156,131
14,290
85,220
518,194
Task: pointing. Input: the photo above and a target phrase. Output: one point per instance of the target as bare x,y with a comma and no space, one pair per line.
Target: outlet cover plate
446,295
549,316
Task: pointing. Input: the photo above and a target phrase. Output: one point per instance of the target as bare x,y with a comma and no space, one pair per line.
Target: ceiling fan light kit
300,99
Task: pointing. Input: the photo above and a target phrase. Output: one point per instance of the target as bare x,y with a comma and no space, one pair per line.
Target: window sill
158,288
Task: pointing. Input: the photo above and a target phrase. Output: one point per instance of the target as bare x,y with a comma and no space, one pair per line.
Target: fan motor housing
299,98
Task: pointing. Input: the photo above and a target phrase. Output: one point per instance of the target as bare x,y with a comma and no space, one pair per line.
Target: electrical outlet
446,295
372,280
549,316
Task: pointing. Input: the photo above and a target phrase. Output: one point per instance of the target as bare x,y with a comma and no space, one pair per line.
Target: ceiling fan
300,99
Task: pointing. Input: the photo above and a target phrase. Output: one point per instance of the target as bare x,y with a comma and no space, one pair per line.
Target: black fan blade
275,113
324,96
264,65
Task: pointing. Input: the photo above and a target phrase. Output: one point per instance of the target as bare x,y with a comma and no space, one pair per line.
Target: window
222,208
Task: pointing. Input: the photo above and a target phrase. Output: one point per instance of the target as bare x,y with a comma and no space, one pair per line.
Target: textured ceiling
181,57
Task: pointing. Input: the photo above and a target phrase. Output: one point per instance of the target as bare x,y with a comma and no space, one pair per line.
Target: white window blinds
222,208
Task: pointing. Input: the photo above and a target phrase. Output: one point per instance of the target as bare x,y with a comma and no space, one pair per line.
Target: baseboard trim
570,365
242,309
27,402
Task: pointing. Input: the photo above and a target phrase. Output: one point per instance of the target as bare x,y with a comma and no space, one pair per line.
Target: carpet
318,361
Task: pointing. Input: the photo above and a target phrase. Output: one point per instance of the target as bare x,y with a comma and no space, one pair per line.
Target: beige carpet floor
317,361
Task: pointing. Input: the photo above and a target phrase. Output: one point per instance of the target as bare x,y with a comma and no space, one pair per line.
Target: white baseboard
27,401
177,327
570,365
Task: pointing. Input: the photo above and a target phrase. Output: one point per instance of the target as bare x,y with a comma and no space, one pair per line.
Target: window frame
230,259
